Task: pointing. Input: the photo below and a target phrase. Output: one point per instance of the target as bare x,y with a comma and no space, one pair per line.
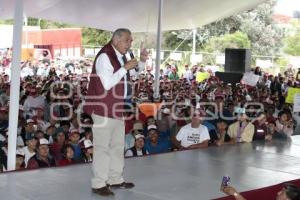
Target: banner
264,63
291,94
176,56
297,103
197,58
153,54
220,60
201,76
250,79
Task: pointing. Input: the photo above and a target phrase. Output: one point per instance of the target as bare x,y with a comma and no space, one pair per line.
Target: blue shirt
77,151
161,146
209,126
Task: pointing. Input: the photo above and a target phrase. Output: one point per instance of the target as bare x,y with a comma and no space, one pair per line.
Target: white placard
176,56
297,103
154,55
89,52
197,58
264,63
294,61
220,60
250,79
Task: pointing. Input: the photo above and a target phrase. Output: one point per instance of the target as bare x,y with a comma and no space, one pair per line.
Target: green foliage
281,62
293,44
95,37
257,24
234,40
173,38
33,21
8,22
46,24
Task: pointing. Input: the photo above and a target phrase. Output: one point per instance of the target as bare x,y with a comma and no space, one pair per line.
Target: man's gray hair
120,31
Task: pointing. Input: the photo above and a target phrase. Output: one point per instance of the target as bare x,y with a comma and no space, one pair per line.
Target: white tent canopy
137,15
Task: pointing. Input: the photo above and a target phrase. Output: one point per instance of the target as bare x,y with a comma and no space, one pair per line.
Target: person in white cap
153,143
87,151
139,147
42,158
165,122
130,138
20,158
29,149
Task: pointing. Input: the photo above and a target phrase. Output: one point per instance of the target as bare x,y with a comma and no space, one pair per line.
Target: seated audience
42,158
220,135
74,138
87,151
59,142
30,148
153,143
139,147
130,137
284,125
67,156
261,128
20,157
193,135
242,130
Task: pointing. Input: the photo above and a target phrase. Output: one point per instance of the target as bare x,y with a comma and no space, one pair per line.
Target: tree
95,37
257,24
234,40
9,21
47,24
293,44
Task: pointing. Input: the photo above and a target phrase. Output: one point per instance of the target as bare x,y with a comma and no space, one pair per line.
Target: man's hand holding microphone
131,64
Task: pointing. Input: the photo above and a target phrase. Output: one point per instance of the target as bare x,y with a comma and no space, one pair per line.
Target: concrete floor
187,175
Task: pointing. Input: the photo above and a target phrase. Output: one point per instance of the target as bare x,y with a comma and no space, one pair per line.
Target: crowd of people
53,130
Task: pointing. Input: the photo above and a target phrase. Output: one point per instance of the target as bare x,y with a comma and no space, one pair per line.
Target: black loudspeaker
229,77
237,60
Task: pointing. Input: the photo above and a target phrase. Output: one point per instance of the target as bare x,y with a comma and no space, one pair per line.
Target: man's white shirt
105,71
28,155
189,136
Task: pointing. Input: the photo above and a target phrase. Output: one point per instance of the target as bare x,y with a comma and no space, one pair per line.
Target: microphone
132,57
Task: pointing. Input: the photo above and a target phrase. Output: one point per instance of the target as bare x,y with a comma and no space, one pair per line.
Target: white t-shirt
28,155
27,71
34,102
189,136
130,154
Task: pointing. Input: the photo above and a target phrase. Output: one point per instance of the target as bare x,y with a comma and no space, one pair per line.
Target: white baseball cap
166,111
20,152
44,141
87,144
138,136
30,121
152,127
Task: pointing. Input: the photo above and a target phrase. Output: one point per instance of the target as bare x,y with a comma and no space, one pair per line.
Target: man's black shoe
104,191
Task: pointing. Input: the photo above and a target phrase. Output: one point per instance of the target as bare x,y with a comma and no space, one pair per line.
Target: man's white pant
108,158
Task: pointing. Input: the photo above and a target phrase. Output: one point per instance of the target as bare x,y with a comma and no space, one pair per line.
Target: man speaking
107,91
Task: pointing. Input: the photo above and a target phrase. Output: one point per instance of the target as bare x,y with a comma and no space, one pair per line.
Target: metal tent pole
15,86
158,47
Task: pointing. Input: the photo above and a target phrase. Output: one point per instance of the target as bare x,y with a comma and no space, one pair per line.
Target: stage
186,175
